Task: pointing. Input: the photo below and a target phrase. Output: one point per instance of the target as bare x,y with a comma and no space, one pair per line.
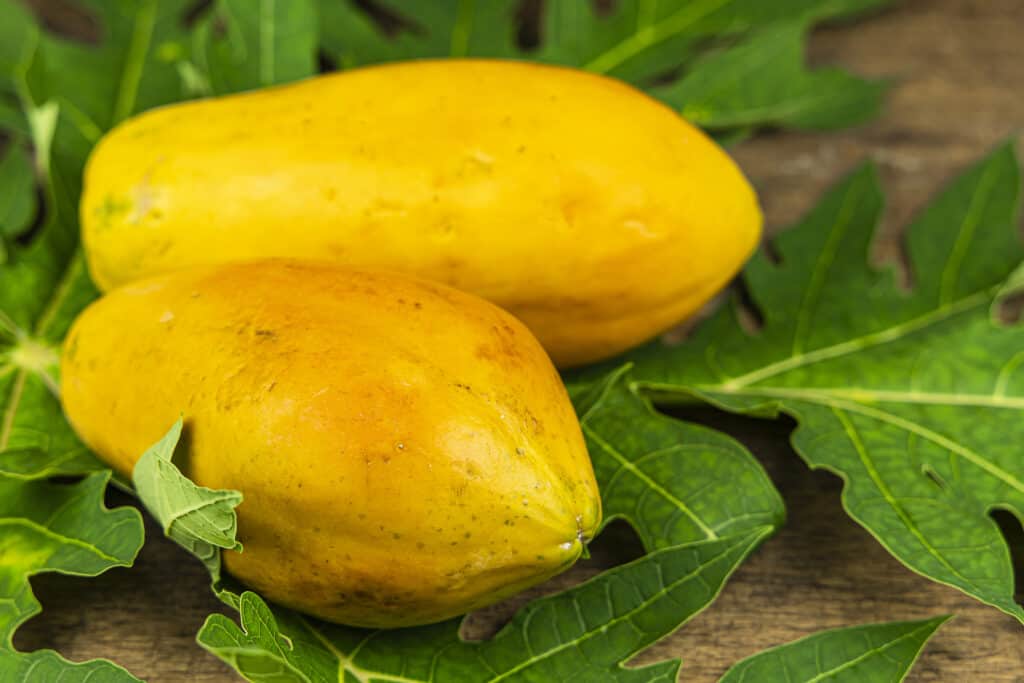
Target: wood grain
958,71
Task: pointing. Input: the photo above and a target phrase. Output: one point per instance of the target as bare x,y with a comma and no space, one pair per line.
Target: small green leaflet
49,527
759,80
913,397
199,519
880,653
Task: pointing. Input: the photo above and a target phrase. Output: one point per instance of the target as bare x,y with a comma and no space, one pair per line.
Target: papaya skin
406,452
593,213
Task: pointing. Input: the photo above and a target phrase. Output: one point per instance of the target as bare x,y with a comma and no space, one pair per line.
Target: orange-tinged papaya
590,211
406,452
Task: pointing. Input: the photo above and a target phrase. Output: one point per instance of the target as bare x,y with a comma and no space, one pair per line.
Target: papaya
406,452
590,211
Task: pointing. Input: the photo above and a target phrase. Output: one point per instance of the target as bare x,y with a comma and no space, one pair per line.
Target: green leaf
444,28
764,82
199,519
674,482
913,397
17,192
761,81
586,632
880,653
640,41
132,69
64,528
46,666
262,43
35,439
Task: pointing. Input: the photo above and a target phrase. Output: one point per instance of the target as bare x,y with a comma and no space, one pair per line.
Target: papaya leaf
674,482
761,81
725,91
199,519
17,192
585,633
880,653
913,397
445,28
261,43
35,439
46,666
64,528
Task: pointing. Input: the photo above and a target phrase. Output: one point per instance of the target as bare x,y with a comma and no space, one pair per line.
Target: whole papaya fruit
406,451
590,211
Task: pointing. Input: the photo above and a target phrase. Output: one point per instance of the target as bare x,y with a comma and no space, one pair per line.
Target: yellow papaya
406,451
590,211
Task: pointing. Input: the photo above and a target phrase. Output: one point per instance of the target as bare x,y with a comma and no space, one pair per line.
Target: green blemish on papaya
109,210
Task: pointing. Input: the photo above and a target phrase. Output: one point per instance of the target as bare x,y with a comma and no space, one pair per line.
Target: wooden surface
959,67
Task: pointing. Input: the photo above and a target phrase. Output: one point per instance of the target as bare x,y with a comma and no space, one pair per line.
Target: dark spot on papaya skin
486,353
161,248
268,334
363,595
